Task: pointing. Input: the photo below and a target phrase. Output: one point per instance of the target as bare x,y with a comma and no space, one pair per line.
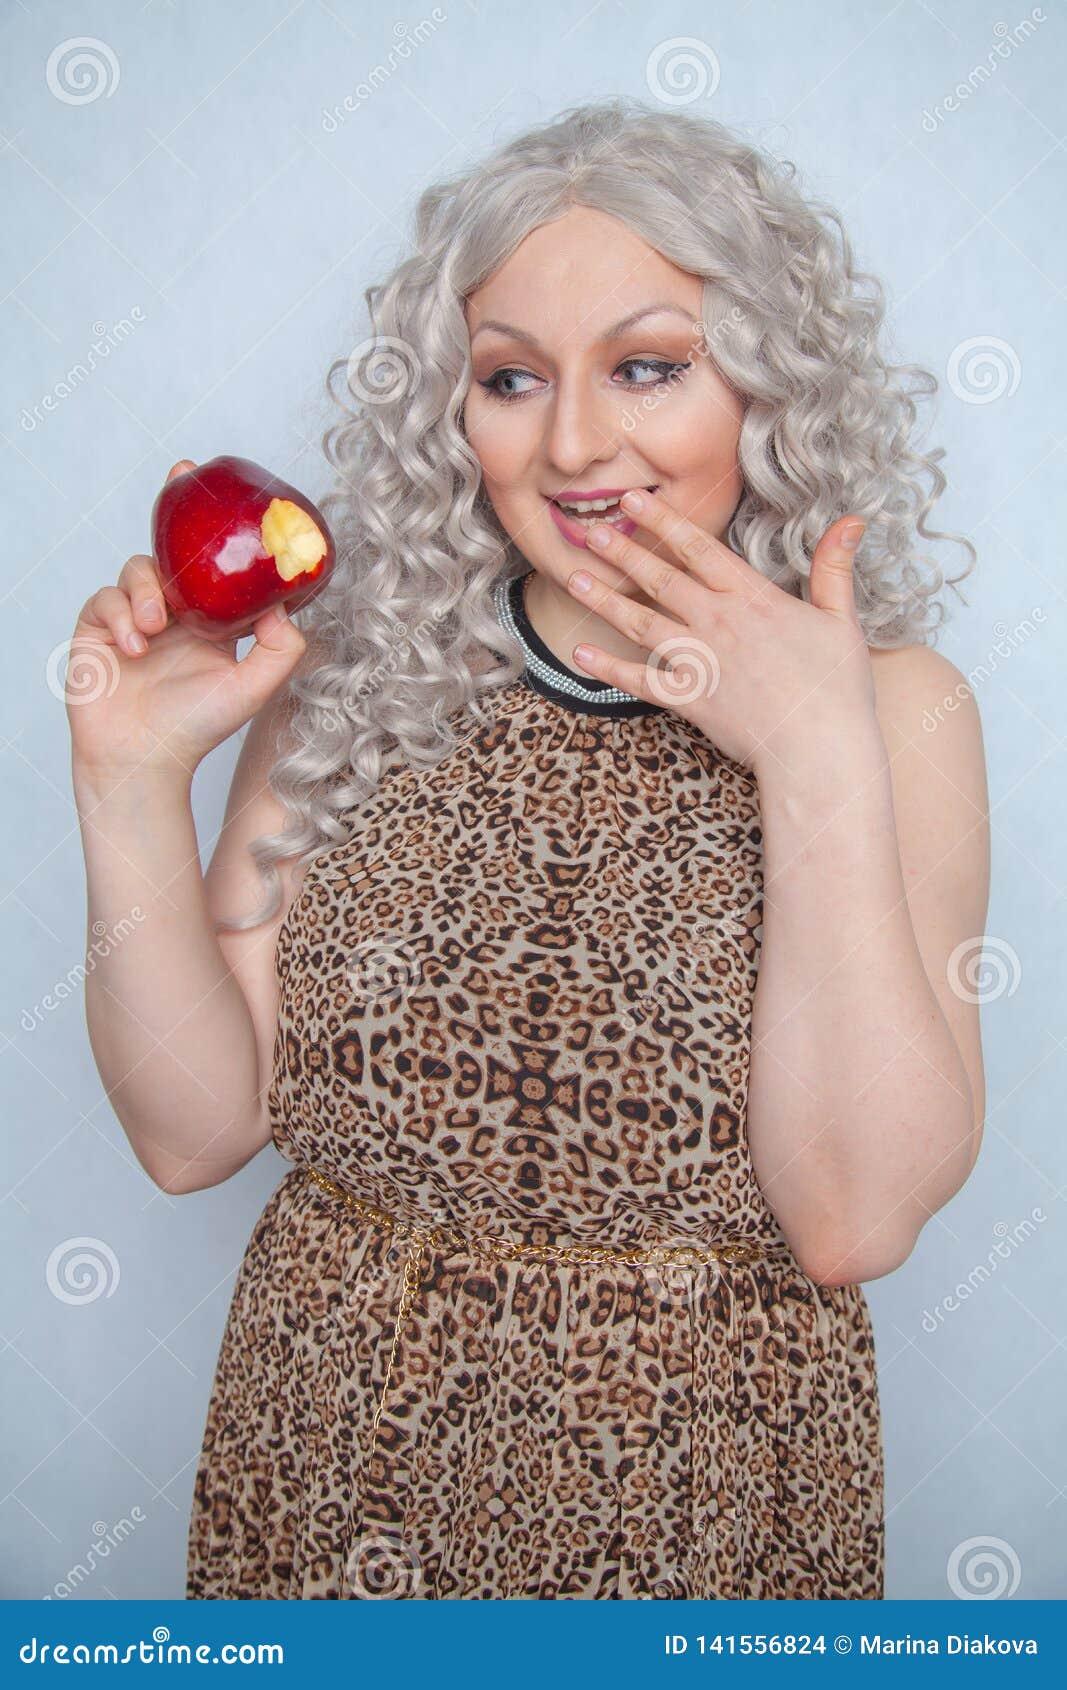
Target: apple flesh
231,540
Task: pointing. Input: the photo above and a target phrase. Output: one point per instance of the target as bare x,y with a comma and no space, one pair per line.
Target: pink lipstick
575,528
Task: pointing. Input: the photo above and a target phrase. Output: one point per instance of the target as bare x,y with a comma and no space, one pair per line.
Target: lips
575,529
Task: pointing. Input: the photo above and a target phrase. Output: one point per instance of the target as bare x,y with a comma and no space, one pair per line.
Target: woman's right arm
181,1020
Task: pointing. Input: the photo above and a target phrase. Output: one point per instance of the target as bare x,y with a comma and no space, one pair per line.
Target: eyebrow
613,333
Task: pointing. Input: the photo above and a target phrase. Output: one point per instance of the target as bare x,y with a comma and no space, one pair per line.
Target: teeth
588,505
579,507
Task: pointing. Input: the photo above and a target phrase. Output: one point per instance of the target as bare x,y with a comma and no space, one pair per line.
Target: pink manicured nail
633,501
580,581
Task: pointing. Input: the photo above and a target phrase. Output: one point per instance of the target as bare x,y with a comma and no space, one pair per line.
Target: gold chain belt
419,1239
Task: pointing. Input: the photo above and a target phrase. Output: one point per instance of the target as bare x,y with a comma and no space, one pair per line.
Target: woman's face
562,400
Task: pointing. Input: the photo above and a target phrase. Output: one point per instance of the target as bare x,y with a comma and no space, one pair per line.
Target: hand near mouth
763,673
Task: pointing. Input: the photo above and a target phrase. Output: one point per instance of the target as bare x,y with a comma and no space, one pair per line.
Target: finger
140,579
182,467
683,673
832,584
111,611
629,677
278,647
706,558
641,623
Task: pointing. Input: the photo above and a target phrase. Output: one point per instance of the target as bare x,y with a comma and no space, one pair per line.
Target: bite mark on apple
291,538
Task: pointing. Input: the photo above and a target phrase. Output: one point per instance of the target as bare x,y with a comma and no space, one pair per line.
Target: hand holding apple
147,696
231,541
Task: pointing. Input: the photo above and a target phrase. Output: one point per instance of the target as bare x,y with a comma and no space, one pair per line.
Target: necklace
544,671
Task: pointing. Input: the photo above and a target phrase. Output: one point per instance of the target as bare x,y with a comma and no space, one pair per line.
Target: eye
667,372
664,372
506,375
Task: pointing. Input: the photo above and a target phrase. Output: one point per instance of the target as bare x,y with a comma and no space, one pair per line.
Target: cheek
691,434
495,442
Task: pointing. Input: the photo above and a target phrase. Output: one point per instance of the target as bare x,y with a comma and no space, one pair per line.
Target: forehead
579,274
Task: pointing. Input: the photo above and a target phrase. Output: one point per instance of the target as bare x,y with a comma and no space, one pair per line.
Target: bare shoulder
918,690
930,722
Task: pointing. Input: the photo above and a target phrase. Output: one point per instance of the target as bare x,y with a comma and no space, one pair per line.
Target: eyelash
634,386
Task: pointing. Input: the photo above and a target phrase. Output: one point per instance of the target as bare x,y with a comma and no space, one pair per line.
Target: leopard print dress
517,1006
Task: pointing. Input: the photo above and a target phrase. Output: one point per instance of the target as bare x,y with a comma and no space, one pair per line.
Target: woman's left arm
865,1097
866,1091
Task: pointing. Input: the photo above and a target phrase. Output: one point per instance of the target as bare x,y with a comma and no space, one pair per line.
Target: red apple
231,540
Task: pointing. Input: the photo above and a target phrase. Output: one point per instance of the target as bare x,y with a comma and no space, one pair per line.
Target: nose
581,426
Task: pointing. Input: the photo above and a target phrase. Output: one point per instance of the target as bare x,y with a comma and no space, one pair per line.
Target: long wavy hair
792,326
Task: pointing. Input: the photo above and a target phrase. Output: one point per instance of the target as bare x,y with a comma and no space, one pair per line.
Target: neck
561,622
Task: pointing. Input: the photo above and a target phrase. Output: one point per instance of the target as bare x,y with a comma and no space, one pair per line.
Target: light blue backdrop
194,203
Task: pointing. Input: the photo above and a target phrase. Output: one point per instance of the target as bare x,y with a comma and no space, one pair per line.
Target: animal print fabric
518,1002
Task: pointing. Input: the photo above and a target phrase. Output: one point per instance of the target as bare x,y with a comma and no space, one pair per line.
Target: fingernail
852,535
153,612
136,642
599,534
581,582
633,501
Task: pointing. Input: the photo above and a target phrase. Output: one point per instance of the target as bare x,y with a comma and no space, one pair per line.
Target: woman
603,994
